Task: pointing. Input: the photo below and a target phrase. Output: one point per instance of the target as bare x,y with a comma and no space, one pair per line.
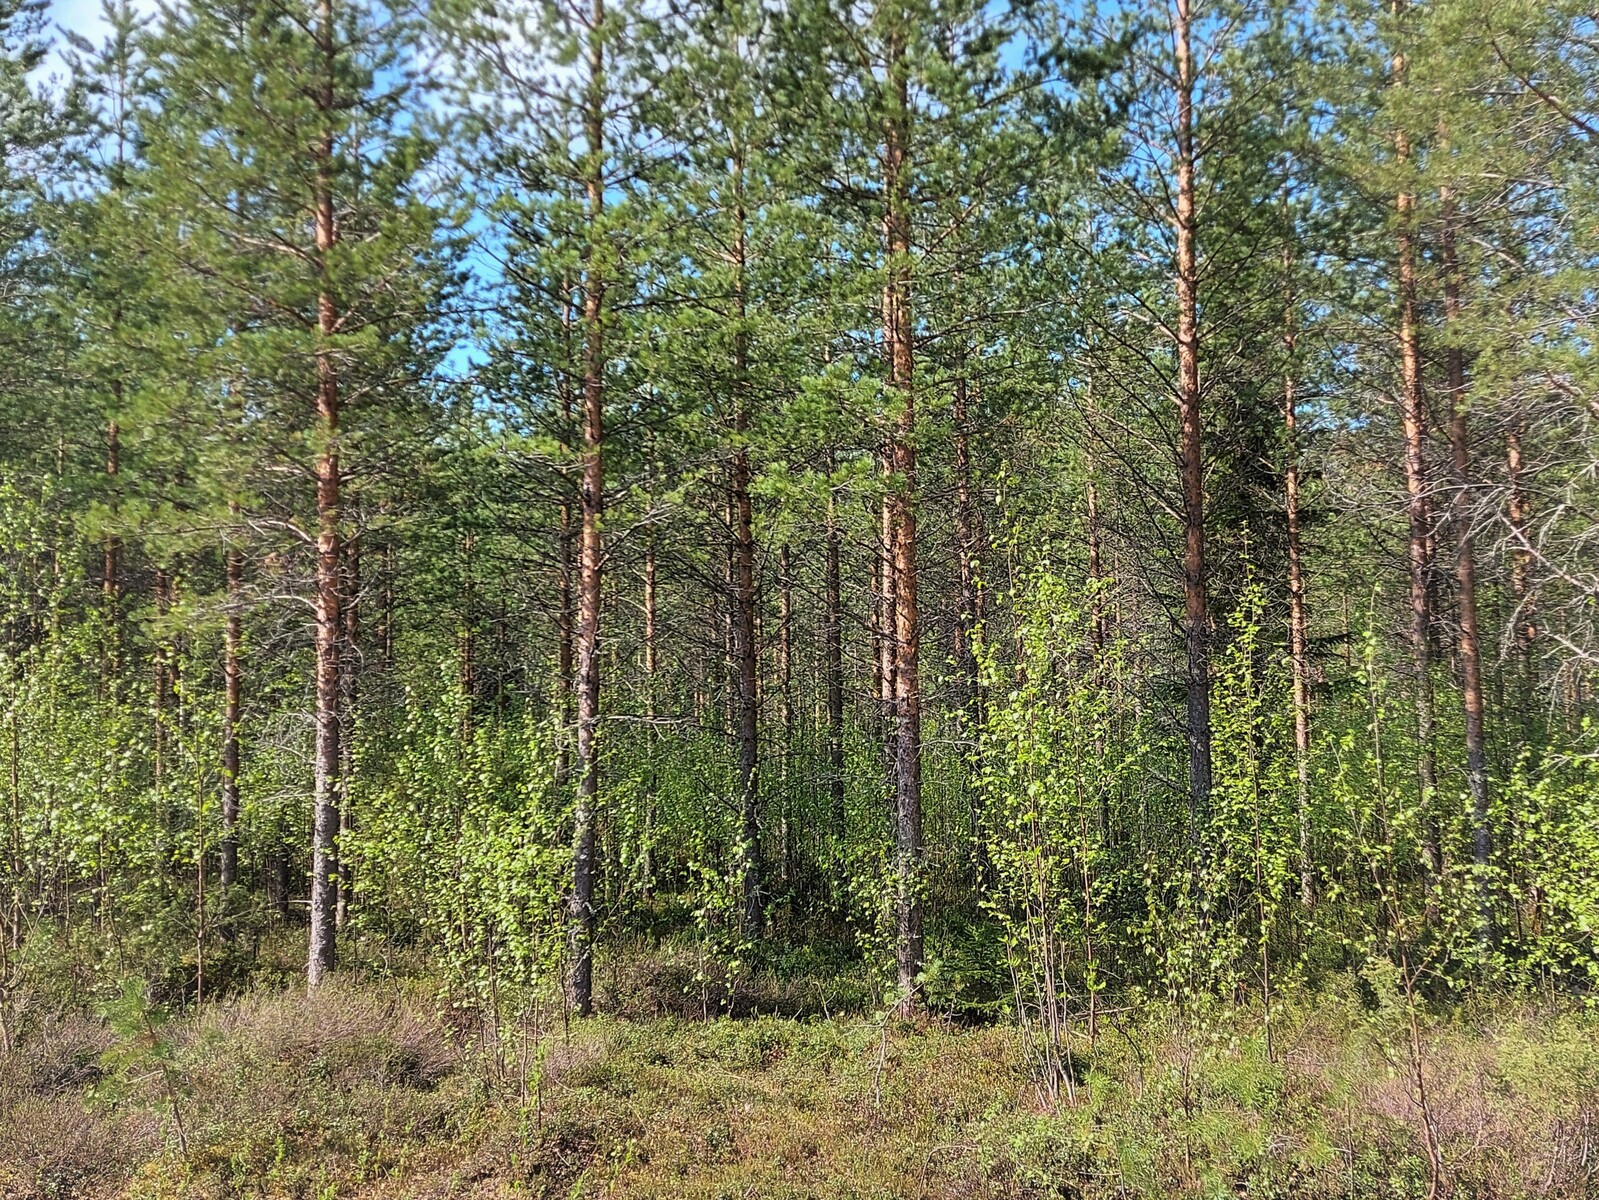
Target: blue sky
81,16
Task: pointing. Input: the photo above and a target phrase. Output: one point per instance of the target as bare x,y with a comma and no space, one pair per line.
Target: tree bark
901,514
162,687
884,626
322,951
746,648
164,709
1413,419
467,641
730,693
833,665
1466,578
1196,612
1096,552
965,552
564,616
651,662
1418,508
580,984
232,701
746,653
1526,605
111,566
385,633
1298,620
970,699
349,673
785,703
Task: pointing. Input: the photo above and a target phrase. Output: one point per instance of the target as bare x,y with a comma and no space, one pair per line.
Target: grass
374,1087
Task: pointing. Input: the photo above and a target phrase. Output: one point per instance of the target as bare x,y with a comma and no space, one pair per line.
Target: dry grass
372,1091
52,1143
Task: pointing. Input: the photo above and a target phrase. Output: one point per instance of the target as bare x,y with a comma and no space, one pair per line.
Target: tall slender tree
564,150
289,171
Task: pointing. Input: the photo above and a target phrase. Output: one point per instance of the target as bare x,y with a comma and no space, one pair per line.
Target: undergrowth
381,1085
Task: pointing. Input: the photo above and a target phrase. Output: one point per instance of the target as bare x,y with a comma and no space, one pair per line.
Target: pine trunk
580,987
746,651
1466,579
111,566
966,553
651,602
349,670
900,513
785,703
232,702
162,688
833,654
1413,419
970,695
884,626
565,621
746,647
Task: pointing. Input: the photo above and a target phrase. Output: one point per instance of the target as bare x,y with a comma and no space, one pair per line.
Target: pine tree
291,169
31,132
562,147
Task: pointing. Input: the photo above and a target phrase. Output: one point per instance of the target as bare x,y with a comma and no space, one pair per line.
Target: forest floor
375,1087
